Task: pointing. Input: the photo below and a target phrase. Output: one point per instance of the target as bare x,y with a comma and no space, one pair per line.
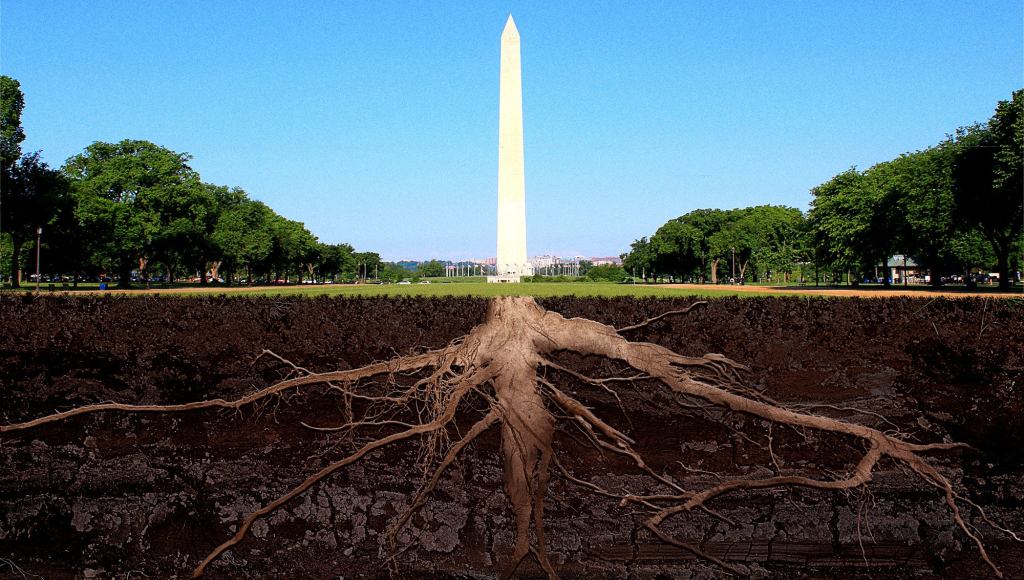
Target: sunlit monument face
511,262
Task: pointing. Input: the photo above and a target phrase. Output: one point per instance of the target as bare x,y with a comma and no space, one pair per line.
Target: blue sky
376,123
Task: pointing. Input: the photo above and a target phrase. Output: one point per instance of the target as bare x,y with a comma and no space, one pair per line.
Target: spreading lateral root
498,363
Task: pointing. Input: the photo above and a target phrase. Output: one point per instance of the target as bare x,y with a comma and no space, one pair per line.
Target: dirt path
918,291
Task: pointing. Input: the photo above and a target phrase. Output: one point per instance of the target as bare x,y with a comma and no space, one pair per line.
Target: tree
431,269
919,186
392,272
293,247
135,198
337,260
677,248
640,258
606,273
30,197
769,236
184,229
707,222
733,237
851,222
243,236
987,180
12,102
367,263
19,201
224,199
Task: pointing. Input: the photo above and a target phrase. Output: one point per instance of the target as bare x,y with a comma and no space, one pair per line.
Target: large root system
508,364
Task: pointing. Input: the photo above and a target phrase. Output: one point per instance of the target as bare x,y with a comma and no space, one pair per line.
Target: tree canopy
693,246
987,182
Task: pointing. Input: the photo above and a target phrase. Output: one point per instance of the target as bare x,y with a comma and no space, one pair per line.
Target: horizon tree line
136,209
954,207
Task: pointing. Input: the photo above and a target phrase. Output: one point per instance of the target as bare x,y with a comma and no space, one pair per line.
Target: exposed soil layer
112,494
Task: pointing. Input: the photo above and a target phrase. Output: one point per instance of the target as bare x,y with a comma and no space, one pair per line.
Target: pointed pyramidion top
510,32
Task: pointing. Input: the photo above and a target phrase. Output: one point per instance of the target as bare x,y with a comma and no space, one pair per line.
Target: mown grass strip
478,289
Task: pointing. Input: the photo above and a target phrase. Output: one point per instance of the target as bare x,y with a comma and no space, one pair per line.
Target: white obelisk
512,262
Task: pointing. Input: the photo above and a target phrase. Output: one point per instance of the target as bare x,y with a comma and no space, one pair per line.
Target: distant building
903,268
606,261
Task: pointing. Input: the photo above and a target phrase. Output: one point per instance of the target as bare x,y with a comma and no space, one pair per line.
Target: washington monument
511,262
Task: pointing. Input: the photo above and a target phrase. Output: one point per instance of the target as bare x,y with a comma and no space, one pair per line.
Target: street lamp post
39,238
734,265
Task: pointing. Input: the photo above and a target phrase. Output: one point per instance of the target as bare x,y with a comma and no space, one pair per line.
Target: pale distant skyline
376,123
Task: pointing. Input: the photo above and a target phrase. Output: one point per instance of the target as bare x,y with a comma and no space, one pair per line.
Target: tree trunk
714,270
1004,269
15,266
124,272
936,277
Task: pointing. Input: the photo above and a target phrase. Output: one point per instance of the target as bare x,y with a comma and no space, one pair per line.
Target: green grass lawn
477,289
469,286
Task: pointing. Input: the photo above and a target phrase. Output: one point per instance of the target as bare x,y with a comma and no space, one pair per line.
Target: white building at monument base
505,279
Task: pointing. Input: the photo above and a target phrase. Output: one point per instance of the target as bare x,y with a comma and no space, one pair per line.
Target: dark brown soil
117,495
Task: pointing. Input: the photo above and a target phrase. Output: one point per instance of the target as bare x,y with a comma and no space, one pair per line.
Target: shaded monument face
512,262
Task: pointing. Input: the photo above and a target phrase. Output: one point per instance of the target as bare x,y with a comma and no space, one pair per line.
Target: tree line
706,245
952,207
135,208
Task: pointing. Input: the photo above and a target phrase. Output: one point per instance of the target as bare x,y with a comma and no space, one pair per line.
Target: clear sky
376,123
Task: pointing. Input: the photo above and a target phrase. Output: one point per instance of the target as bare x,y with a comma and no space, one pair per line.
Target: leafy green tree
25,182
243,237
431,269
292,248
851,222
707,222
606,273
919,186
135,198
337,260
367,263
694,245
987,180
5,254
226,197
12,102
771,236
30,197
639,259
678,249
392,272
686,248
184,230
731,237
